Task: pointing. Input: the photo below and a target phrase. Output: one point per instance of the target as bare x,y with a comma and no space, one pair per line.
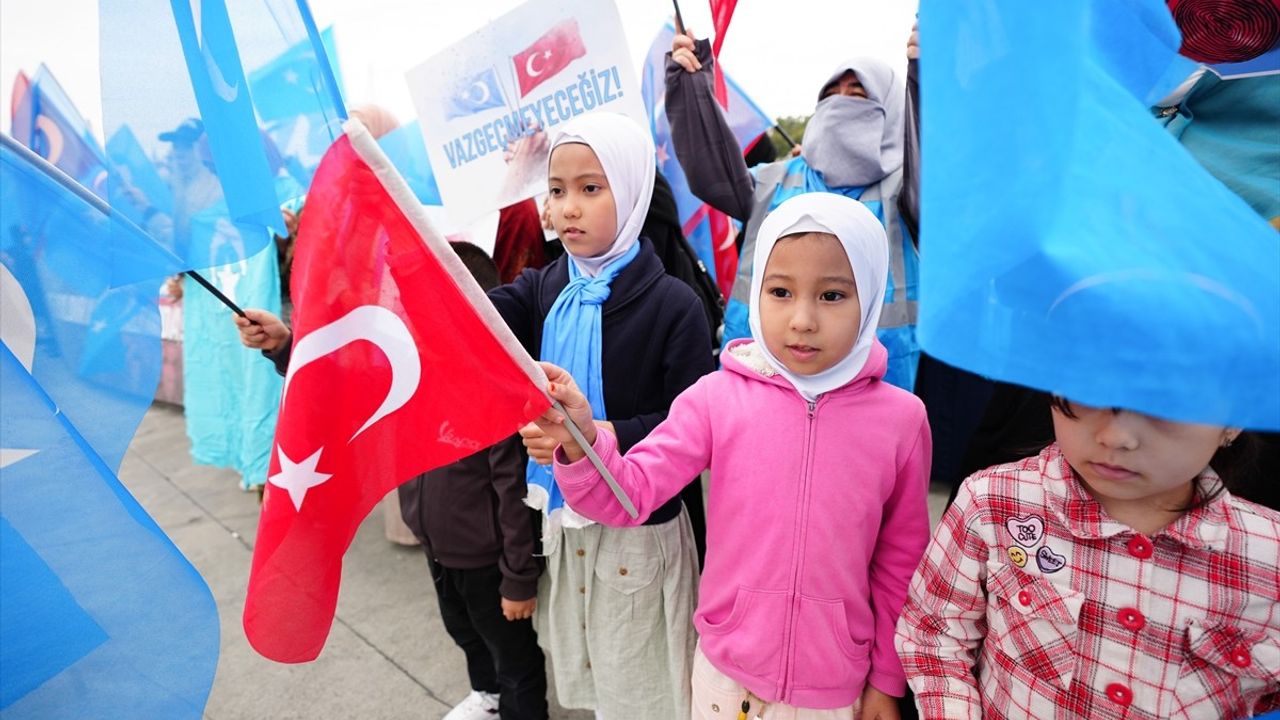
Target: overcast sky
379,40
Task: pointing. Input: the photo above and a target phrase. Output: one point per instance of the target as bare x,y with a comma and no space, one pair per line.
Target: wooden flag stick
590,452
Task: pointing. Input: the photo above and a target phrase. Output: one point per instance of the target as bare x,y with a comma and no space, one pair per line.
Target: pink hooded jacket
816,520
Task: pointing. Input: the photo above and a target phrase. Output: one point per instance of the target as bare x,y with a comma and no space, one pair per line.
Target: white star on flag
298,477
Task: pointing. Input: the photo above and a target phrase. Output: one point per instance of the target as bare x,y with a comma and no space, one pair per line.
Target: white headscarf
864,241
626,153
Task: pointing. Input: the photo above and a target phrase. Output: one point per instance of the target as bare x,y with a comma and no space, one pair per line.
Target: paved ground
387,656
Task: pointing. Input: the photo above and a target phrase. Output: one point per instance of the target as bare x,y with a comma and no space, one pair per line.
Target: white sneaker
476,706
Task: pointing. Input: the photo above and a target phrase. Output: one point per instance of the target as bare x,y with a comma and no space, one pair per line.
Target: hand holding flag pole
103,207
397,187
590,452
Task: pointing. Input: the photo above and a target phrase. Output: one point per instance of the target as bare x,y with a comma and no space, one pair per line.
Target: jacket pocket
1034,623
1226,670
826,655
750,637
627,580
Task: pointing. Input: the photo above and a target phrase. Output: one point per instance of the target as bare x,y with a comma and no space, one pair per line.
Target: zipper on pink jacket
802,506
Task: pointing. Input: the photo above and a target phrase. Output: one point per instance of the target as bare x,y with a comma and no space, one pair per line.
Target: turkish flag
548,55
721,14
399,364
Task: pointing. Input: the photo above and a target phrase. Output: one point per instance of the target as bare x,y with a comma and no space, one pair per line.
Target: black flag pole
785,136
54,173
679,18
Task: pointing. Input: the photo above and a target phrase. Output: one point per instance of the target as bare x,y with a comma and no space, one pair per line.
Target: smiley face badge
1018,556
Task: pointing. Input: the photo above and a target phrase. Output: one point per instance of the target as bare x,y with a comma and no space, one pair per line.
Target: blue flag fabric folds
476,94
183,78
1070,243
100,615
407,150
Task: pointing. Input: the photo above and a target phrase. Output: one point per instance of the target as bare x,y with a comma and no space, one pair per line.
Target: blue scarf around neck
571,338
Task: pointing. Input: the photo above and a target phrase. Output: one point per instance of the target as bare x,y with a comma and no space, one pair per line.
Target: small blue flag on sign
1070,243
100,615
478,93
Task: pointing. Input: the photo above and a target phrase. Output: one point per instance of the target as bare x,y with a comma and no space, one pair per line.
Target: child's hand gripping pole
590,452
560,386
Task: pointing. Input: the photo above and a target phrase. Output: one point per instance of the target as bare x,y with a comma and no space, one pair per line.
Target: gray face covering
842,141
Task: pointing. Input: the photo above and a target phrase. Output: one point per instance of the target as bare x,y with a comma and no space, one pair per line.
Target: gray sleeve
705,146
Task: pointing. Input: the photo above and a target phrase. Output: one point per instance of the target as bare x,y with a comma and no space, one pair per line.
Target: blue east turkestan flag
1072,244
100,615
294,97
475,94
407,150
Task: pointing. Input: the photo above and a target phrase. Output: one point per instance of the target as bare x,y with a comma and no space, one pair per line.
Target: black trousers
503,656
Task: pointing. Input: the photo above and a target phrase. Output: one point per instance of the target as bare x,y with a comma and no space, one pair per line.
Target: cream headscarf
864,241
627,156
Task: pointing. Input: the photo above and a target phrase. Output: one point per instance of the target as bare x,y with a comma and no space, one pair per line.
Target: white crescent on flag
374,324
54,137
528,64
225,90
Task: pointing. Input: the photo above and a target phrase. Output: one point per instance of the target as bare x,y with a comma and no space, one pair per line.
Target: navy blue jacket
655,343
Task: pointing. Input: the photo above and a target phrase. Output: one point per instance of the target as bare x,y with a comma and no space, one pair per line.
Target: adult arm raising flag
400,364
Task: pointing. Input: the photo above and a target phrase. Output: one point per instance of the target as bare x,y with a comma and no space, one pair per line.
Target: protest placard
488,103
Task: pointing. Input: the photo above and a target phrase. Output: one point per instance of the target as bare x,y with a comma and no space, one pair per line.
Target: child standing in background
614,605
817,515
1111,576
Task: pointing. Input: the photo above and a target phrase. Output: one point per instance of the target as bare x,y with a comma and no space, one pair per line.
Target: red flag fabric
548,55
399,364
721,14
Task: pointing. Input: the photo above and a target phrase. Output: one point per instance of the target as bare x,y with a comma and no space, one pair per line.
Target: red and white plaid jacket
1032,603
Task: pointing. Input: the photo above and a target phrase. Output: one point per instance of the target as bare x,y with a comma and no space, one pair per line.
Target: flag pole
679,18
55,173
785,136
362,142
590,452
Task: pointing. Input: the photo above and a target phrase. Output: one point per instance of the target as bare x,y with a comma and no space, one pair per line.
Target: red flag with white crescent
548,55
400,364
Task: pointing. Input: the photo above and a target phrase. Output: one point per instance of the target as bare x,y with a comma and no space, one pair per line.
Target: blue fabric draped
571,338
1072,245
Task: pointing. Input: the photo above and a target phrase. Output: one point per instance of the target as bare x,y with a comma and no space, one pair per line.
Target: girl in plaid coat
1111,576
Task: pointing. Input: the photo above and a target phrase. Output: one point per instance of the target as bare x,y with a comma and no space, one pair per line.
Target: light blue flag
293,93
100,615
226,107
1069,243
136,175
177,73
230,393
407,150
476,94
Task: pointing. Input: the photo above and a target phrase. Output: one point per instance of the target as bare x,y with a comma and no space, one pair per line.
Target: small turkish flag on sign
548,55
400,364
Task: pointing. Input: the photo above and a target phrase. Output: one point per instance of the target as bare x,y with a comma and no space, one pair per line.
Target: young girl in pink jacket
817,513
